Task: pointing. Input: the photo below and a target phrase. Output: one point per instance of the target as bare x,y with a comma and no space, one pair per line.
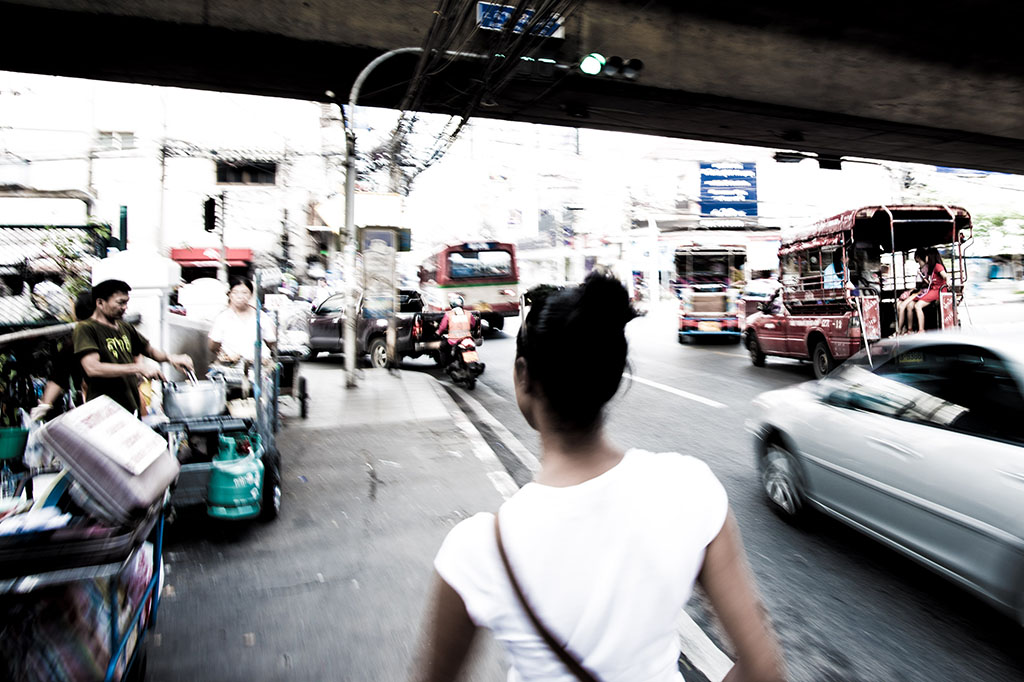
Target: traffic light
210,214
595,64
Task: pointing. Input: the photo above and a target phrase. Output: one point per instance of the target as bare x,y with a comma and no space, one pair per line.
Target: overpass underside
945,88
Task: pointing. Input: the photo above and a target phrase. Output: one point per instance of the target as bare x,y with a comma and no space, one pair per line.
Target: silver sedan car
917,442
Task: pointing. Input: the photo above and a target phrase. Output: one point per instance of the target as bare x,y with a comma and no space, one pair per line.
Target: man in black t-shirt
106,347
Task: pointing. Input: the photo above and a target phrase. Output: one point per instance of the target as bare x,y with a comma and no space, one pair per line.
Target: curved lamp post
350,191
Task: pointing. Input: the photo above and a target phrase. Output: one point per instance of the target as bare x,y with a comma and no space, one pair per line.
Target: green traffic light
592,64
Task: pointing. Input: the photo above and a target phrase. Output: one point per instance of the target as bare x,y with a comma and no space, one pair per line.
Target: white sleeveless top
607,565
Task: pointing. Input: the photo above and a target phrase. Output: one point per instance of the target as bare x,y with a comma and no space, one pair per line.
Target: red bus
485,274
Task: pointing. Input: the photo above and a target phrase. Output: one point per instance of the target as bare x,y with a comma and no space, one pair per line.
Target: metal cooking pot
188,399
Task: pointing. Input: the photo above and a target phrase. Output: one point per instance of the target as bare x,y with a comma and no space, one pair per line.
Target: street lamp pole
350,213
350,192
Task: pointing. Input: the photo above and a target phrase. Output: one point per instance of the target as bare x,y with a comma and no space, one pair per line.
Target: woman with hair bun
583,573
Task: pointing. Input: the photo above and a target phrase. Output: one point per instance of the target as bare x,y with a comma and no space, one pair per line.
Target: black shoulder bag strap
570,660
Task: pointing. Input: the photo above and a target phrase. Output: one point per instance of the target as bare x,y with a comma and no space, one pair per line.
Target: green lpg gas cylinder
236,478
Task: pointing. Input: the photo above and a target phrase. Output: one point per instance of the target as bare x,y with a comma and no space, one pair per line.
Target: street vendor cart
229,464
222,430
289,382
81,549
52,584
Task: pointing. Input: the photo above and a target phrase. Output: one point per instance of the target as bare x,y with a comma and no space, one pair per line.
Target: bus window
473,264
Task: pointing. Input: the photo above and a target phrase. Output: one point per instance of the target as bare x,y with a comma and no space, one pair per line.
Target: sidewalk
335,589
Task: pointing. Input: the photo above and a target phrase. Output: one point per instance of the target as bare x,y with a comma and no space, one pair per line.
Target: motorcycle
464,365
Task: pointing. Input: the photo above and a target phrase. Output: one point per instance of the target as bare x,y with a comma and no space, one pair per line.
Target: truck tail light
417,328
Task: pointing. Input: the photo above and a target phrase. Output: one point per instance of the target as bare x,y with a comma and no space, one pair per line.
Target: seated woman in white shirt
233,335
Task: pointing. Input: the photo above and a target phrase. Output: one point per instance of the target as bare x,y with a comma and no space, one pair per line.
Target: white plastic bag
36,454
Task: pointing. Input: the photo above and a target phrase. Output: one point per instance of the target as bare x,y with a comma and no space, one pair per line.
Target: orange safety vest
458,324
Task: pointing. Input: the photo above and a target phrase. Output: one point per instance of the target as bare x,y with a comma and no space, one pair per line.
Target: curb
709,661
497,474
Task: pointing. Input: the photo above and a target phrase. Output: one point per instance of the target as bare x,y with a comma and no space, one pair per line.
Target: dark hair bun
604,302
575,347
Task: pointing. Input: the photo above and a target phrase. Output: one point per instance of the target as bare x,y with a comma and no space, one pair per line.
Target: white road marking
675,391
498,477
510,441
701,651
503,483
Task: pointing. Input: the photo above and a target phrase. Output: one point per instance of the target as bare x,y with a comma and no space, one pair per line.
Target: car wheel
822,359
270,506
780,481
683,338
378,353
756,354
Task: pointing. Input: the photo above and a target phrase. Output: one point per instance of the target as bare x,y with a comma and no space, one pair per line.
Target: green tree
69,254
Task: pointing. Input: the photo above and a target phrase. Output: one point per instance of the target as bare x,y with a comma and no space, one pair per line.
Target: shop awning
210,256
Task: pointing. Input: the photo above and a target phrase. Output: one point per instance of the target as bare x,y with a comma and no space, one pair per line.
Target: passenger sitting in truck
833,273
937,279
905,303
864,270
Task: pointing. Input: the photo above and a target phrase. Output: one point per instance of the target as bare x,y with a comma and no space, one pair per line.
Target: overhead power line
451,32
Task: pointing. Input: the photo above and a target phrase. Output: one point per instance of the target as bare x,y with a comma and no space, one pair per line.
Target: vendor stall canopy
912,226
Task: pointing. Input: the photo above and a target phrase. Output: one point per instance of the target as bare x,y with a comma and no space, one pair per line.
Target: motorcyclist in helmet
456,325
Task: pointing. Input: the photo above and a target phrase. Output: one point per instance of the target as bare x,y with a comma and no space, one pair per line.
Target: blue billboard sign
493,17
728,189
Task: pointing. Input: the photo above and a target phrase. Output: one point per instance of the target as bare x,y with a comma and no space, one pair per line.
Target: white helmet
456,301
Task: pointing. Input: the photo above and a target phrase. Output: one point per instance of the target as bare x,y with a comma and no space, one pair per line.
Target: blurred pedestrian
604,545
106,347
233,334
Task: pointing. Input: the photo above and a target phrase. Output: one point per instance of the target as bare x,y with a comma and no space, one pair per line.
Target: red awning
211,263
210,256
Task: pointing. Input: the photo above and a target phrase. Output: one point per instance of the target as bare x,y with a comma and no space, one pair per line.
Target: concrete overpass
942,85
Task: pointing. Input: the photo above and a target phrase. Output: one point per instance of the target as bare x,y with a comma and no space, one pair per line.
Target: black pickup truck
416,330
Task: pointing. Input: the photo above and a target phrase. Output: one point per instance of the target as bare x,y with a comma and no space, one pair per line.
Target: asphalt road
846,608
